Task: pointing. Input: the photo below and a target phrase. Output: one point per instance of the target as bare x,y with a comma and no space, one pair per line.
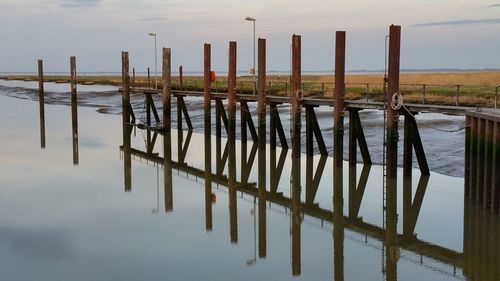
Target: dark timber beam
357,136
312,182
276,127
412,140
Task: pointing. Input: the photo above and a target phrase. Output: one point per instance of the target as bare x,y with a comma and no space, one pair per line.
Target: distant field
455,88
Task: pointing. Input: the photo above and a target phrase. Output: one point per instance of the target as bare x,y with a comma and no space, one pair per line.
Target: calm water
104,220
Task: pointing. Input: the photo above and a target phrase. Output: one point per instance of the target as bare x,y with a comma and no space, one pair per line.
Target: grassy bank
462,88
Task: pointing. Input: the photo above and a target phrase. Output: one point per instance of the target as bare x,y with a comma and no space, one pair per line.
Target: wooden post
392,138
480,159
181,80
495,193
133,76
167,84
467,156
338,113
149,79
167,137
296,143
41,99
208,136
127,128
74,110
473,157
262,145
488,157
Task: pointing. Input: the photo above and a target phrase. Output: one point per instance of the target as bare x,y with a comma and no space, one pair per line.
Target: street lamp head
152,34
250,19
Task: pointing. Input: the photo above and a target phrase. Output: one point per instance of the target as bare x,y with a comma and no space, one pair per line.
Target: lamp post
156,61
254,80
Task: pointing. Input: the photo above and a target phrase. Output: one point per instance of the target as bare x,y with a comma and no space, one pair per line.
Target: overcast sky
435,33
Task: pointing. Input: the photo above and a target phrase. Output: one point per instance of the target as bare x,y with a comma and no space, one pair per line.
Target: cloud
494,6
79,3
460,22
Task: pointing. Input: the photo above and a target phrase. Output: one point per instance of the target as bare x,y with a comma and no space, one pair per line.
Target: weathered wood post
231,107
481,124
74,110
133,77
338,113
167,137
392,149
127,128
488,159
41,99
262,145
181,78
296,143
495,184
473,157
208,135
149,79
467,161
338,144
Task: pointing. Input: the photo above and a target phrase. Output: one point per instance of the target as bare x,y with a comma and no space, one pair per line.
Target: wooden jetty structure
482,126
482,153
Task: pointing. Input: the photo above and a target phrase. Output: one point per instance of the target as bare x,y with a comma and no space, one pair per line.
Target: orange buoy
212,76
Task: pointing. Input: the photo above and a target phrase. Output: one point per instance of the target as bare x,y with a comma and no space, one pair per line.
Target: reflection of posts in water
411,208
167,138
127,128
247,161
41,99
481,249
276,169
391,243
338,225
233,215
262,147
312,182
357,189
208,139
296,132
74,112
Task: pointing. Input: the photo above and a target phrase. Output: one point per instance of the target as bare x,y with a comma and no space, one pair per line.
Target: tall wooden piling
127,127
338,113
392,141
262,145
41,100
296,143
74,110
232,141
338,145
208,136
167,137
338,123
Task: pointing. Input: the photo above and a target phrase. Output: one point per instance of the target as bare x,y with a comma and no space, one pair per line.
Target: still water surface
60,221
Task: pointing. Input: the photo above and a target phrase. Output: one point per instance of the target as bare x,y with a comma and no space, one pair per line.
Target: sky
461,34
